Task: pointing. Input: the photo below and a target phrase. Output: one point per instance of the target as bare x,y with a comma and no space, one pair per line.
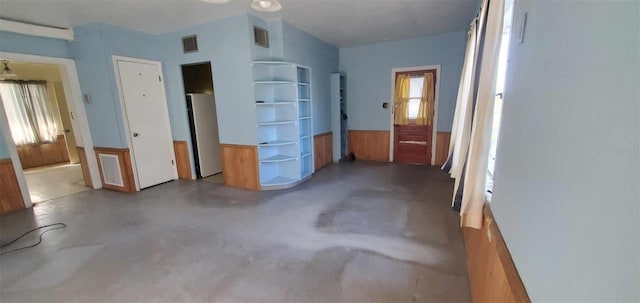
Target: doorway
146,117
52,141
414,117
203,121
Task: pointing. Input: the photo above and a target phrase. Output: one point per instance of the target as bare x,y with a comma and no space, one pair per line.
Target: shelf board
277,143
277,158
278,181
273,82
276,122
305,136
304,100
269,62
303,83
276,103
305,117
305,155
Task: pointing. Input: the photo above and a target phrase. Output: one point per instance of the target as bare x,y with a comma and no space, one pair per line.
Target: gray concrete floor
355,232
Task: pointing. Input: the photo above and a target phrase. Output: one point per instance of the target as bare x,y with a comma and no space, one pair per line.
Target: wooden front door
412,143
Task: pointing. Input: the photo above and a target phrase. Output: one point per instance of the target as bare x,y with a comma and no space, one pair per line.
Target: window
500,82
29,111
415,95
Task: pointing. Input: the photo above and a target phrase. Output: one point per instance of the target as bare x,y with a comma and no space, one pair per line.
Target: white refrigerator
203,122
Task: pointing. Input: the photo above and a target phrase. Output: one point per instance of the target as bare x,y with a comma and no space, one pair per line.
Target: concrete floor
55,181
355,232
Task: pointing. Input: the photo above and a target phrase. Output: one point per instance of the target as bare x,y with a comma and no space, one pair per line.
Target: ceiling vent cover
261,36
190,44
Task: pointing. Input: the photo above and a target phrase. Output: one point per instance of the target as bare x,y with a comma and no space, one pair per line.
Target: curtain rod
25,81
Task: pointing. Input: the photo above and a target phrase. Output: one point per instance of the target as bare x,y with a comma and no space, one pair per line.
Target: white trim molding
435,107
36,30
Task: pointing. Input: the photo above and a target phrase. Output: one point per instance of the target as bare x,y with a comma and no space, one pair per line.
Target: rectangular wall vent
261,36
190,44
111,170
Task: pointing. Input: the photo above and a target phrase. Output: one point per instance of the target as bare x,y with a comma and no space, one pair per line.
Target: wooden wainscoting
183,161
85,166
442,147
492,273
323,150
126,169
36,155
10,195
240,166
369,145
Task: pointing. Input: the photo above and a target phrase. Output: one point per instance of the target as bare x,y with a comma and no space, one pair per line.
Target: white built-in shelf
273,82
304,100
276,103
278,158
302,83
279,181
276,122
306,173
305,117
264,62
278,143
303,155
305,136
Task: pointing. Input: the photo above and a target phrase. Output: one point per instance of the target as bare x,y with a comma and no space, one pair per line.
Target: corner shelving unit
282,91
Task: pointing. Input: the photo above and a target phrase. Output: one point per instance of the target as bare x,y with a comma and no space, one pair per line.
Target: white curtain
472,126
29,111
473,197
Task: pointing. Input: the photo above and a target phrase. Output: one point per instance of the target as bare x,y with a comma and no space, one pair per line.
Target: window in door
415,95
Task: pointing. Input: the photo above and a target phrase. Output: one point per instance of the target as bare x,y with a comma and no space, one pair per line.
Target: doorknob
136,134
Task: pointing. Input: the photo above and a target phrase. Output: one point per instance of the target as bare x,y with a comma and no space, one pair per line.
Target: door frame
394,71
125,118
73,93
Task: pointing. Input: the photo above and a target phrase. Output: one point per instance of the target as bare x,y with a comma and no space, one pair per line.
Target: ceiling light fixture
266,5
7,73
216,1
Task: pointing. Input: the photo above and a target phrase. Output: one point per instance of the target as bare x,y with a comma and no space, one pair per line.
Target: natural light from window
415,95
500,82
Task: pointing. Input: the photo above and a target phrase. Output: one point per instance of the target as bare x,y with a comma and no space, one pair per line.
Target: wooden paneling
35,155
126,169
10,195
492,273
323,150
369,145
183,161
442,147
85,166
240,166
412,144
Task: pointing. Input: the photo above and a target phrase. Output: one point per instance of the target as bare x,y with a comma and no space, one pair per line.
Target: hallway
354,232
54,181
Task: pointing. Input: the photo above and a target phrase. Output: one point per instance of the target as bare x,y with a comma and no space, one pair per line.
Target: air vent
190,44
261,36
111,170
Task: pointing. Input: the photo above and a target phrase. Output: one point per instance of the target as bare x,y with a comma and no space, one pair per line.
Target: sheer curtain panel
29,111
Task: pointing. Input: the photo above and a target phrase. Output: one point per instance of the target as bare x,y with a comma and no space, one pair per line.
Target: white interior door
148,120
206,124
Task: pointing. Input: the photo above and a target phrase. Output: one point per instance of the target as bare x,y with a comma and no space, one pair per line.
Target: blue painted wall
225,43
32,45
368,74
323,59
93,48
4,150
566,194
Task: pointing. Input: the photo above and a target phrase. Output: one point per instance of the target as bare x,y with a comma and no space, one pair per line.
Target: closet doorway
414,115
203,121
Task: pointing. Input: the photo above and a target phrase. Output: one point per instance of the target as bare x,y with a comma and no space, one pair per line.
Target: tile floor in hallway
55,181
355,232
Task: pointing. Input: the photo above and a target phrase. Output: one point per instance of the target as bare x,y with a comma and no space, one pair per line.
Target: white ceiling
342,23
